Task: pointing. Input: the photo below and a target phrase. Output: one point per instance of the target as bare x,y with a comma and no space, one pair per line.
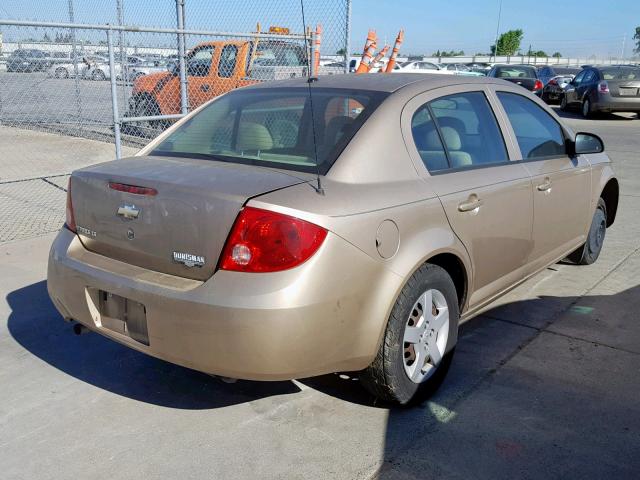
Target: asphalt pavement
545,384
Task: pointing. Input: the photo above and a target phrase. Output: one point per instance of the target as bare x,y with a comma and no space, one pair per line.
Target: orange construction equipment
380,56
317,40
394,52
367,54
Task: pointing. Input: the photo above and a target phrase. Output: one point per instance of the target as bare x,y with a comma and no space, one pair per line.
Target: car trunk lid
624,88
526,82
182,227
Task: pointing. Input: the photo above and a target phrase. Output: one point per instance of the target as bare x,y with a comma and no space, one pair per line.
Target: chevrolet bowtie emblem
128,212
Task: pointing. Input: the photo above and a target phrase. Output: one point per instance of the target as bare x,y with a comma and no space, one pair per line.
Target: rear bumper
317,318
607,103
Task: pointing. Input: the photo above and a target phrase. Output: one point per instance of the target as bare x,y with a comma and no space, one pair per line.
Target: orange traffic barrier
380,56
394,52
367,54
316,51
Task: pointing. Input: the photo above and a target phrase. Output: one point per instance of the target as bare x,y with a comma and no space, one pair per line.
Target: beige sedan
290,229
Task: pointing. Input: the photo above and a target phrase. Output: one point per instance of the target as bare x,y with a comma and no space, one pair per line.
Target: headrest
253,136
451,138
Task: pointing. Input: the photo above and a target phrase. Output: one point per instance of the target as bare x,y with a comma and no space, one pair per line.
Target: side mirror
588,143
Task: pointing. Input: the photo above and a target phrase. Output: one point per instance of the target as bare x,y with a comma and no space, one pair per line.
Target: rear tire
590,251
98,75
407,372
587,112
563,103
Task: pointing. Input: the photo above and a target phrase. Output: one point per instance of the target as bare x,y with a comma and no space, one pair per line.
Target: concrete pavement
545,384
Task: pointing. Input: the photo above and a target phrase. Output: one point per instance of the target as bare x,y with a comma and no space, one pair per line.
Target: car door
226,77
561,183
199,64
586,84
571,92
456,142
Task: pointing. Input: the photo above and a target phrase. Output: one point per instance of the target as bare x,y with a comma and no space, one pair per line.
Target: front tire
98,75
61,73
419,340
590,251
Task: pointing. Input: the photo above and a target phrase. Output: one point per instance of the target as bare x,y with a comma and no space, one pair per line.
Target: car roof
377,82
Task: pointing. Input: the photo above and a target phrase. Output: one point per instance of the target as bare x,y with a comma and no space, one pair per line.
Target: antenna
310,80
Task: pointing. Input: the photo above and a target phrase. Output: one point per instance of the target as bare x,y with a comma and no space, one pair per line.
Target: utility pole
624,41
495,48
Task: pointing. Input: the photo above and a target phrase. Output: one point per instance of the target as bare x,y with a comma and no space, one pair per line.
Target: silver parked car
604,89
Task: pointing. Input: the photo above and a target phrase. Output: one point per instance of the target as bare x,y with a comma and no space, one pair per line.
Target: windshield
621,73
273,128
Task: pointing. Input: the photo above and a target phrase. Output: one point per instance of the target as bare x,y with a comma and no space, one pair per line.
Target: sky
572,27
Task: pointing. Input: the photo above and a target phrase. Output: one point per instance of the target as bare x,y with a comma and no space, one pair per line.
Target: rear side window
465,125
538,134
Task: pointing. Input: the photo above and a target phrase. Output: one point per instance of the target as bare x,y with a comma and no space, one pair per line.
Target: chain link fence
88,81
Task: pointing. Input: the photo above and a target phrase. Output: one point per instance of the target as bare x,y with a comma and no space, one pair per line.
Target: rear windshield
273,128
621,73
513,71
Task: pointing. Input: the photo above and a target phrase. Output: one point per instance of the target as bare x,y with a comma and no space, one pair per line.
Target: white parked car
421,67
68,69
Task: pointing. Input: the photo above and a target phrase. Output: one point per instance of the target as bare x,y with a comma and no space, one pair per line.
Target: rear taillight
537,86
553,81
70,221
603,87
266,241
134,189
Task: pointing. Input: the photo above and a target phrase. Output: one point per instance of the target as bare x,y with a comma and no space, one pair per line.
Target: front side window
227,63
538,134
273,128
467,127
199,61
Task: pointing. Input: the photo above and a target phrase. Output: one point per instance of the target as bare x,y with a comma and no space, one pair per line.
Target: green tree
636,37
557,55
340,52
537,53
508,43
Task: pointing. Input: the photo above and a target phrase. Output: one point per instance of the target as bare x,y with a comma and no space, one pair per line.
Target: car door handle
544,187
470,205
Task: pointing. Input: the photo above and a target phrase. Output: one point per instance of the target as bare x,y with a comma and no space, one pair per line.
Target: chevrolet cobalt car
291,229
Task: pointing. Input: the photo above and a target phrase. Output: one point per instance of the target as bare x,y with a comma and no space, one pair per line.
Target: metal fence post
184,100
114,95
347,39
76,70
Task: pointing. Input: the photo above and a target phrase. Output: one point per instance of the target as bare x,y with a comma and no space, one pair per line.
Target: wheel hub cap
425,335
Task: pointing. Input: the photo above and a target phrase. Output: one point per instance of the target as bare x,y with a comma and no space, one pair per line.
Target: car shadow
37,326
